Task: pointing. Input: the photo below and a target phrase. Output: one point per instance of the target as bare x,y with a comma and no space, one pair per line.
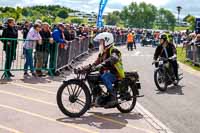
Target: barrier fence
70,51
43,57
193,54
120,39
14,57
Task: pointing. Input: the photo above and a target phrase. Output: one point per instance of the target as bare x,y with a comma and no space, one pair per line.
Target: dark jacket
67,35
171,50
10,32
109,60
45,41
25,31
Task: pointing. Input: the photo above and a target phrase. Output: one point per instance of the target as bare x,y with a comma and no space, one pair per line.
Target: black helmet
164,37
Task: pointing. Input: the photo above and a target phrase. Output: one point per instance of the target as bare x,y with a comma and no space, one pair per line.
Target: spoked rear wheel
128,104
73,98
159,79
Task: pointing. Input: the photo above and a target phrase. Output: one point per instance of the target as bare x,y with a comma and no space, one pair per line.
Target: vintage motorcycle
164,74
76,96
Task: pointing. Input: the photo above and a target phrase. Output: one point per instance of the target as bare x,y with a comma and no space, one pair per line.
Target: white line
137,53
9,129
151,119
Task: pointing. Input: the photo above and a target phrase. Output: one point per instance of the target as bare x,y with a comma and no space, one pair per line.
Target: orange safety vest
130,38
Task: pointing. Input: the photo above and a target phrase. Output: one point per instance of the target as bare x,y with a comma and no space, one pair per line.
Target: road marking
26,97
33,88
151,119
137,53
122,123
46,118
9,129
97,116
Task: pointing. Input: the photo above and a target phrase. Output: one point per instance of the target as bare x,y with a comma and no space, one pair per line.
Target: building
91,17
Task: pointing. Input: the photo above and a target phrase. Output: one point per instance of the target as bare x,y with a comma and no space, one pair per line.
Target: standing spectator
130,41
1,29
67,32
134,43
72,33
42,50
58,36
10,46
80,31
33,38
26,29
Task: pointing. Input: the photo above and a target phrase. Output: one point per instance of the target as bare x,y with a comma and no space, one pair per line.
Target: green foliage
186,17
113,18
181,55
76,20
143,16
62,13
166,20
46,13
191,20
139,15
178,28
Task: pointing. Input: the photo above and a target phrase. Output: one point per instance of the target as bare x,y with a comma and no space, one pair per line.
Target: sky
189,6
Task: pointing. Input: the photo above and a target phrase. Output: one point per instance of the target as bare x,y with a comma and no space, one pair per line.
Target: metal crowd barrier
193,54
14,57
49,57
71,51
120,39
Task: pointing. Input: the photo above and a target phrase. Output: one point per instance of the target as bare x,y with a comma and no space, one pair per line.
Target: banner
102,6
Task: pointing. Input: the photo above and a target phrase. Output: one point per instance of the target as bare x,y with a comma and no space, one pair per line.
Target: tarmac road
29,106
178,108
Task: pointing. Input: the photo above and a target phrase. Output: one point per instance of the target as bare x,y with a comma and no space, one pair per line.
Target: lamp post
179,8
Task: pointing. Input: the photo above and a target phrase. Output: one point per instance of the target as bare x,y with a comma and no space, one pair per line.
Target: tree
166,20
112,18
62,13
140,16
191,20
25,12
186,17
76,20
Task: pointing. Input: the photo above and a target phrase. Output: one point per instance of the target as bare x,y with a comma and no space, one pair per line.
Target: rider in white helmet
109,63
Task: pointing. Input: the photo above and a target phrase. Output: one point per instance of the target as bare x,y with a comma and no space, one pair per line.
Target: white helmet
106,36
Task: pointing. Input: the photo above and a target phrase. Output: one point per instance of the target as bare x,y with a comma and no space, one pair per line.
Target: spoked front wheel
159,79
73,98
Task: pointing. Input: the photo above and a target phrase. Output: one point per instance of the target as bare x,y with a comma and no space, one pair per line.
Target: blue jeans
29,60
108,79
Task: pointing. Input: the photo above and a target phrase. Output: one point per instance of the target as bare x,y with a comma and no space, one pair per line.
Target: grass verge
181,55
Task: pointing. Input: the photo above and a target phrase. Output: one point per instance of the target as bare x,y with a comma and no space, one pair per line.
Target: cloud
189,6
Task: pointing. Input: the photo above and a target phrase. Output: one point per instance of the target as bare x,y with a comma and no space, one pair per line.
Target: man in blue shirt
58,36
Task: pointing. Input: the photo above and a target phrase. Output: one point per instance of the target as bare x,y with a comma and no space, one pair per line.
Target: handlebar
164,59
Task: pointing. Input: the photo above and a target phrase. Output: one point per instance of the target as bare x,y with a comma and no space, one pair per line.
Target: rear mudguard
134,86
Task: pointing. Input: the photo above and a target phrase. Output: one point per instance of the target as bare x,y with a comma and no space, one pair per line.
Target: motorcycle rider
167,50
109,63
130,41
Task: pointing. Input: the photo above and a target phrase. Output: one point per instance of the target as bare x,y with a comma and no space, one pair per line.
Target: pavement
29,105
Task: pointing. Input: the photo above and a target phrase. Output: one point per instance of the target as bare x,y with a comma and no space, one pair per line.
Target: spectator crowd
40,39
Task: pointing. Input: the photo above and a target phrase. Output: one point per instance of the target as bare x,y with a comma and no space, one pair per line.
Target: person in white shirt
32,39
